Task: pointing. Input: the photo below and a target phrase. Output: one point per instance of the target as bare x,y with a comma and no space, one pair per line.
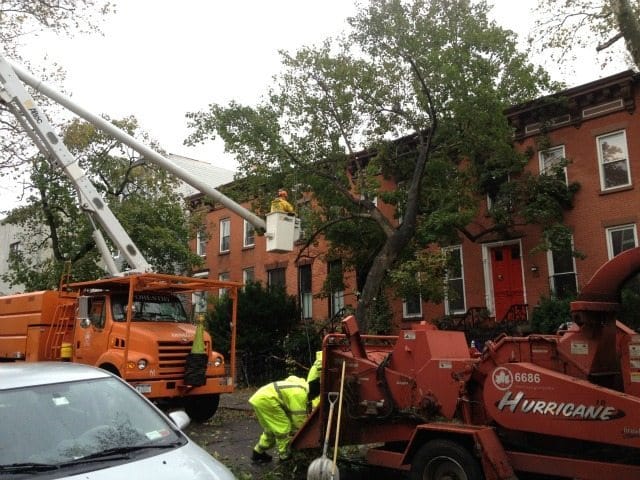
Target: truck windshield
155,307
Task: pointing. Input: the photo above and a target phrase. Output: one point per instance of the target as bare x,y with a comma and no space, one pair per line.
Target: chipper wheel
444,460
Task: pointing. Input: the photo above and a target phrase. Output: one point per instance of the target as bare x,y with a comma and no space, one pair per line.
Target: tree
415,94
268,328
19,21
566,24
141,196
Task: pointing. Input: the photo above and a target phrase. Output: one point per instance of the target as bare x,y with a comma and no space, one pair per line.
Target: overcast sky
159,59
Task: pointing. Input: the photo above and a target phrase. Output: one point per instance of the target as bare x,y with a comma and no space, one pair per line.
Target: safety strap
278,387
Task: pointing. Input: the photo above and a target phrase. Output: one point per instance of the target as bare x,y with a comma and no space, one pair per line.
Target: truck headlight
142,364
217,361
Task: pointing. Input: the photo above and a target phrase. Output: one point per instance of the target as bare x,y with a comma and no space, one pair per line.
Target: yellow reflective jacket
281,205
291,394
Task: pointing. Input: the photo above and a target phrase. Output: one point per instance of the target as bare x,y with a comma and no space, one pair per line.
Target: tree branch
608,43
323,228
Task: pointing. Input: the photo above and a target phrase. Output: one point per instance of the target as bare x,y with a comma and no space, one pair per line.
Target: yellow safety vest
281,205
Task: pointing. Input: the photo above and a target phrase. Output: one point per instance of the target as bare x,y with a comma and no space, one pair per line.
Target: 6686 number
526,377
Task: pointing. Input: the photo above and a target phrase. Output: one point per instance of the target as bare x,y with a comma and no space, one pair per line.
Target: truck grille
172,357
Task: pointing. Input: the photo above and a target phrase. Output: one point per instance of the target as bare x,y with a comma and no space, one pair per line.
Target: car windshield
61,423
150,307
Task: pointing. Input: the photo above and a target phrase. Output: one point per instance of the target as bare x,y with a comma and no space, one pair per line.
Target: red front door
506,270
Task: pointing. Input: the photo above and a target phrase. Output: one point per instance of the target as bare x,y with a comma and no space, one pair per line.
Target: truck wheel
444,460
111,369
201,408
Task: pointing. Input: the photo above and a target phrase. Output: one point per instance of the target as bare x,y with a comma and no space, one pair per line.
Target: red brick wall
239,258
595,210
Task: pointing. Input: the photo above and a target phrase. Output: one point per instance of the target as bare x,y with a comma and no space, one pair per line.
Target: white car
65,420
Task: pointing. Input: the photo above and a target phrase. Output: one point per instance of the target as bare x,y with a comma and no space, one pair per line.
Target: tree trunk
396,242
384,261
629,27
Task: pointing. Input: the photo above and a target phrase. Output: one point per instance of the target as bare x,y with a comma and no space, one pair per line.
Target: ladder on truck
61,325
62,321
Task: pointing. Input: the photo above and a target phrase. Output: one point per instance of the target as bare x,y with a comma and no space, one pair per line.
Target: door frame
488,272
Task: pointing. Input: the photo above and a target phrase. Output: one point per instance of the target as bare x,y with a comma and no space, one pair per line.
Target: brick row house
232,250
596,130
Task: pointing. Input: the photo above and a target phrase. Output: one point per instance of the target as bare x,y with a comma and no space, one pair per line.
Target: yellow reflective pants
314,374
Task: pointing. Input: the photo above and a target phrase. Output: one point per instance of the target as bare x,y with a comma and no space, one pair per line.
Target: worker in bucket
313,379
281,204
281,408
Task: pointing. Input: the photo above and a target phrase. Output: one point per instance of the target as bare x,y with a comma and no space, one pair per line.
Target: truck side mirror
83,312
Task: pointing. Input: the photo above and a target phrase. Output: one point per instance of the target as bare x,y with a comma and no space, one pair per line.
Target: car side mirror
180,418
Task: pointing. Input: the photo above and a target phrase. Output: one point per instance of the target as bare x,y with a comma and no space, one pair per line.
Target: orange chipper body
566,405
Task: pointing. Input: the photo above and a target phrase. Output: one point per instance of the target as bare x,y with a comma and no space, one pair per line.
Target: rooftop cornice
574,105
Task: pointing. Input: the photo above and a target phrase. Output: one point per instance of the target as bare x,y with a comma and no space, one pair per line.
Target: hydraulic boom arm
148,153
34,121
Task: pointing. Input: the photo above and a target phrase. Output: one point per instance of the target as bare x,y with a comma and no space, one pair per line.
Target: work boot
260,458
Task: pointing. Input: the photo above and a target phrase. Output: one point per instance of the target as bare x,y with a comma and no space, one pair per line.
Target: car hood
189,461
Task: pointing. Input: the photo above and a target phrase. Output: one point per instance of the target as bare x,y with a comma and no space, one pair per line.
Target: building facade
593,127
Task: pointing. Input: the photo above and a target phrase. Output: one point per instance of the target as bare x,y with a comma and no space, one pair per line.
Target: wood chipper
564,405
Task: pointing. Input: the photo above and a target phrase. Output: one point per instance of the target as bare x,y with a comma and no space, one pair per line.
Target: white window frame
405,309
447,309
619,228
201,241
490,200
601,163
306,305
249,235
246,278
553,274
199,298
373,200
551,156
225,233
223,277
306,297
336,299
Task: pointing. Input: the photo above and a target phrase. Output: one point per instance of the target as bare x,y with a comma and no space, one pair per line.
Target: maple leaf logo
502,378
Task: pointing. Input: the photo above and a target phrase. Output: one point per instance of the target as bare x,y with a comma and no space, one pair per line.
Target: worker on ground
313,379
281,408
281,204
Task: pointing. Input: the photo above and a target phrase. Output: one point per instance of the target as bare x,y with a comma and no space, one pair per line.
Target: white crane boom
281,229
36,124
147,152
